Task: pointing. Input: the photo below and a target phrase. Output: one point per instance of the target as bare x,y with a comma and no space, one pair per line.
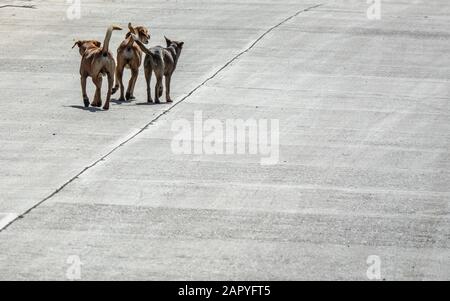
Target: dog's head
140,31
83,45
178,45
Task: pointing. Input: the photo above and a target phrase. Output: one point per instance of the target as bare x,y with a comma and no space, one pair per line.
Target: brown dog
163,61
97,61
129,55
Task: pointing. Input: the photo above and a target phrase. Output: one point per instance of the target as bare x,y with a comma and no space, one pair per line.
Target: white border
8,218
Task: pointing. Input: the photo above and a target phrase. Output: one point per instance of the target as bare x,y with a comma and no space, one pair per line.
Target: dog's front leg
158,87
97,97
108,96
168,79
83,90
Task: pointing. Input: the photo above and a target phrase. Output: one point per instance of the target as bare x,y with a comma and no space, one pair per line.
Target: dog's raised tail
105,48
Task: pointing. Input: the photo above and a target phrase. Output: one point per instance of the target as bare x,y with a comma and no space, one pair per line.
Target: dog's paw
86,102
106,107
128,96
96,104
169,100
157,101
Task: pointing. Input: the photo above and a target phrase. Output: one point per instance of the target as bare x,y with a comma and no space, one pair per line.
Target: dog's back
155,59
129,52
94,62
161,60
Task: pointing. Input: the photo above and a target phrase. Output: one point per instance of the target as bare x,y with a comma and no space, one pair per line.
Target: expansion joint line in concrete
163,113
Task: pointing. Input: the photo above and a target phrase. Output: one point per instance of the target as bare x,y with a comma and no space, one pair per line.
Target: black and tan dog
97,61
163,61
129,55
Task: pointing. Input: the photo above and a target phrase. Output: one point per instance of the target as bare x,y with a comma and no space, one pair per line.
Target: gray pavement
364,168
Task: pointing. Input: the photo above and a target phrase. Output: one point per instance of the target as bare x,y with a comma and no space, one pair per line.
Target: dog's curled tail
105,48
129,37
131,28
141,45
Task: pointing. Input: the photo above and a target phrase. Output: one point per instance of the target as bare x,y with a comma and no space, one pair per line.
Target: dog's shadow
148,103
118,101
115,101
90,109
129,102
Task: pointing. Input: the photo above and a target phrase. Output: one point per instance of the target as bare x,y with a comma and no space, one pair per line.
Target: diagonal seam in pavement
16,217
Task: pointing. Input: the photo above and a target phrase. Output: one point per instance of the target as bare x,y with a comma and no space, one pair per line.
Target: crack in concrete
162,113
18,6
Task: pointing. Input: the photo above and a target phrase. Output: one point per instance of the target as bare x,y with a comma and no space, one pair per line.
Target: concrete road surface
360,189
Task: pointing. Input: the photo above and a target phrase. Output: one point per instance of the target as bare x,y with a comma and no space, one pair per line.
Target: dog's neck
175,51
87,47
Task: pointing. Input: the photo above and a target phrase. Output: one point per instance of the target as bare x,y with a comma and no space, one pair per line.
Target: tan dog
163,61
129,55
97,61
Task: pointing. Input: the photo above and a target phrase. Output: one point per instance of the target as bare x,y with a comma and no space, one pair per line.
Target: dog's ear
181,44
77,43
97,43
168,42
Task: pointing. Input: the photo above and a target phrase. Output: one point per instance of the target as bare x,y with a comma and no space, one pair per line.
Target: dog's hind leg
97,97
134,84
110,86
119,80
83,90
131,84
158,87
168,79
148,78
